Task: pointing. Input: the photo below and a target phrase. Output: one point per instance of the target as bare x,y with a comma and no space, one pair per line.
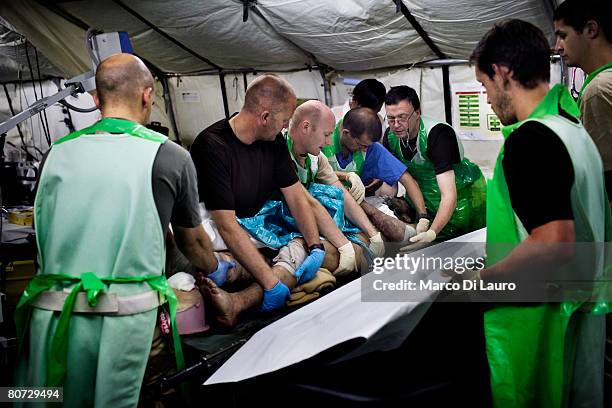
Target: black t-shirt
442,147
539,175
236,176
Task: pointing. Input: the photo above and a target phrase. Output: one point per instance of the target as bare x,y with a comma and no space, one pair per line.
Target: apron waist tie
89,288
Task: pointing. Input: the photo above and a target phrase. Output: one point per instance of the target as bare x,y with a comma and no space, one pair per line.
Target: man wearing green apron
308,133
311,126
355,149
453,187
368,93
541,354
105,198
584,40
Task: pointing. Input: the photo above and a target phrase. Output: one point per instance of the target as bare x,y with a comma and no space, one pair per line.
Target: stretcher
337,327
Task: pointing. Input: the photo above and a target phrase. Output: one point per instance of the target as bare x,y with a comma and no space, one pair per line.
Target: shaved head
268,92
121,79
311,127
314,111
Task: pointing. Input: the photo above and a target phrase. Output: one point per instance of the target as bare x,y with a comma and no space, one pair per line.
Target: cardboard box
21,217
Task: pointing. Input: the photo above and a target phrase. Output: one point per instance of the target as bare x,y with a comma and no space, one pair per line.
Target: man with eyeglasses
454,188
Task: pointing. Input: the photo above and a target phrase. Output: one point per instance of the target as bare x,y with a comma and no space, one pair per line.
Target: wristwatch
424,215
316,246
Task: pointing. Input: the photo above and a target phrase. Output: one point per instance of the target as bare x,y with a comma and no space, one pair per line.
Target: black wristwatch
424,215
316,246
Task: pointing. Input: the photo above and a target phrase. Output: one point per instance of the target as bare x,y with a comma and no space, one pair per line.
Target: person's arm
448,200
240,245
325,224
540,194
541,251
328,228
414,192
195,244
443,151
302,212
355,213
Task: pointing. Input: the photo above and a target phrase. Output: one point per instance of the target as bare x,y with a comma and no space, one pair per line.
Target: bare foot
226,314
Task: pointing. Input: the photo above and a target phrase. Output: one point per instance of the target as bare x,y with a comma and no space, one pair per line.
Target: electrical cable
47,136
44,112
77,109
23,143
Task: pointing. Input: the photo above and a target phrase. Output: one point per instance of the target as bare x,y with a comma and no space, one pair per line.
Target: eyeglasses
403,118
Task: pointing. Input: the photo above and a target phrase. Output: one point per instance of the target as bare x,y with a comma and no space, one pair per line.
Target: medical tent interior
204,54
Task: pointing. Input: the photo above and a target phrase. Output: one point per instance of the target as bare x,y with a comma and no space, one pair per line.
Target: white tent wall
198,101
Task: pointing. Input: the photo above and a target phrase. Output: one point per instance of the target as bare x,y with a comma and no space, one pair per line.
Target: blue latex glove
219,276
275,297
308,269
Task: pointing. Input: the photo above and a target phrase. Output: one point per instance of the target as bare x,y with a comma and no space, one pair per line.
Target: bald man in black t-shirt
241,163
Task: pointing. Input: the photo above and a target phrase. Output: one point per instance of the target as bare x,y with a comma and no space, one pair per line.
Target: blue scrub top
379,164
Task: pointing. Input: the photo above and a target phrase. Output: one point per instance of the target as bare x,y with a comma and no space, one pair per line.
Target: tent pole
224,94
170,107
447,94
326,87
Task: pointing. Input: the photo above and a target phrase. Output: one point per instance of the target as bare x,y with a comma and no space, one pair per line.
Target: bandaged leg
293,254
393,229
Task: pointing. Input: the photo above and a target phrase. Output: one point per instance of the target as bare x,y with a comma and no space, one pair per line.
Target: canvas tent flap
211,29
349,35
62,42
13,58
189,36
457,29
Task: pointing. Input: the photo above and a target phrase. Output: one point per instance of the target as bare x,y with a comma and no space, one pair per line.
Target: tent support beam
224,94
419,29
166,35
53,7
434,48
326,87
447,95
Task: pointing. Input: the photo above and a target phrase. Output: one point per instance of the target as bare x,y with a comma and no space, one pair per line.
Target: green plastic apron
358,157
549,355
469,214
97,230
307,174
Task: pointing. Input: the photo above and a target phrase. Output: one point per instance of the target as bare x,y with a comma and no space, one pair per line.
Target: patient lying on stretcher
237,292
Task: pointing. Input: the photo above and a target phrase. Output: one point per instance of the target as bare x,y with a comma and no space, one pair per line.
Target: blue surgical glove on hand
275,297
219,276
308,269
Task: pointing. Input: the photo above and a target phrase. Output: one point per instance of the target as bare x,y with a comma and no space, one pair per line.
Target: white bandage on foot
409,233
